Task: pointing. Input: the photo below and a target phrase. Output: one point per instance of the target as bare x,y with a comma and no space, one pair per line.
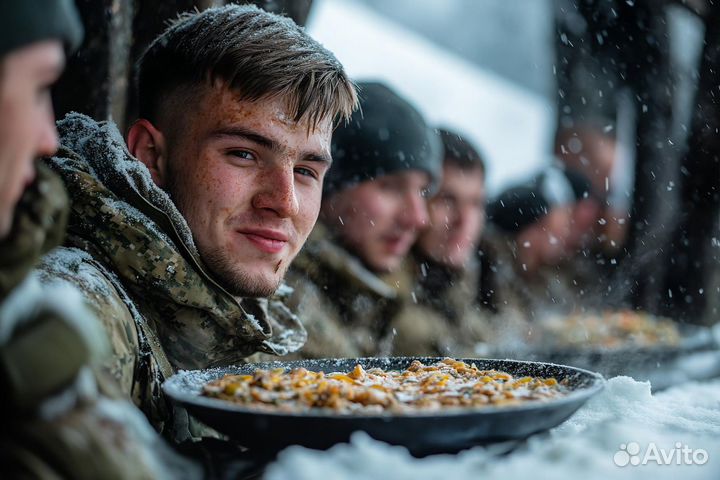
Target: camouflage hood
38,226
120,216
325,261
362,301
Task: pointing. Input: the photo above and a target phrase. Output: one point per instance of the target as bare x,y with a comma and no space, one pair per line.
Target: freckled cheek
309,209
218,188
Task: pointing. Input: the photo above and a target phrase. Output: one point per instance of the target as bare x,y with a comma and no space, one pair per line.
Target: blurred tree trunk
96,78
695,247
655,202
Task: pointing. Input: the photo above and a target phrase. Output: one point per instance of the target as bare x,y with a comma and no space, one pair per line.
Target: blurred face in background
585,215
544,242
590,152
457,217
378,220
27,123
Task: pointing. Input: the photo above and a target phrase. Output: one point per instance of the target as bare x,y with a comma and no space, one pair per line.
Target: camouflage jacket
440,315
528,296
345,308
132,255
61,417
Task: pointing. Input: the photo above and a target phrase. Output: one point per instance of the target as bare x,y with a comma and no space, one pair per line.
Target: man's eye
306,172
244,154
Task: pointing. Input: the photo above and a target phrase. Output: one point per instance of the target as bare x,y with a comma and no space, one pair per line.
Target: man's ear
147,144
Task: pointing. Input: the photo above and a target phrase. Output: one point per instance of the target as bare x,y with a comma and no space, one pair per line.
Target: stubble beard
238,281
221,265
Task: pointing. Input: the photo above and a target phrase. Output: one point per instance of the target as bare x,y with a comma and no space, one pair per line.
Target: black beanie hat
517,208
385,135
28,21
580,184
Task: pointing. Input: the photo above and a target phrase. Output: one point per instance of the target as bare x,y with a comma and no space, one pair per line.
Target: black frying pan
422,433
635,361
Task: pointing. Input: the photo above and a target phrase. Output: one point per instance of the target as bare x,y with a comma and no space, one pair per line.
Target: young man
178,238
60,417
373,206
441,316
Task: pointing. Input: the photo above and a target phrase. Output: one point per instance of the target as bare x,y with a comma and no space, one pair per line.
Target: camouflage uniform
131,254
523,297
439,315
61,417
346,309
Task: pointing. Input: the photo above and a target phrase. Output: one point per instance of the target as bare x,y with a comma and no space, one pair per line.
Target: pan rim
172,388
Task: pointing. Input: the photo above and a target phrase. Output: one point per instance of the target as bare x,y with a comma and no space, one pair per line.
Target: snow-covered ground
624,432
511,125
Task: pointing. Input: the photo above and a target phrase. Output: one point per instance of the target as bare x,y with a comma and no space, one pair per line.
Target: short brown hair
258,54
459,152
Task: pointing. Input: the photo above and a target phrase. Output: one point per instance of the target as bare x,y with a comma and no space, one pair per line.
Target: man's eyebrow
246,134
314,157
266,142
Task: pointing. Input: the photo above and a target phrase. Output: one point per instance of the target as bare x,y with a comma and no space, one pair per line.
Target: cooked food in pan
612,329
419,388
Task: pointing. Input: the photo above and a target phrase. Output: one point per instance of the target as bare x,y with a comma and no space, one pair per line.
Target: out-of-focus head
33,36
385,161
237,107
457,210
588,150
586,211
537,216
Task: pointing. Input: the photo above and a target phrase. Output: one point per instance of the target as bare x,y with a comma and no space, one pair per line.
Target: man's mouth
397,244
265,240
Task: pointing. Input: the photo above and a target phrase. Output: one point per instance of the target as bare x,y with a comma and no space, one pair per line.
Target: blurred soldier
529,228
60,417
179,238
441,316
587,209
385,160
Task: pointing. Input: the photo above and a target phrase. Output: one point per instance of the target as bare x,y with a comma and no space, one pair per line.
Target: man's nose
48,136
277,192
415,211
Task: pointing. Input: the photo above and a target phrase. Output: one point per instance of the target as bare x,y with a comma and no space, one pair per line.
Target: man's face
378,220
27,124
248,180
585,215
549,235
457,217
